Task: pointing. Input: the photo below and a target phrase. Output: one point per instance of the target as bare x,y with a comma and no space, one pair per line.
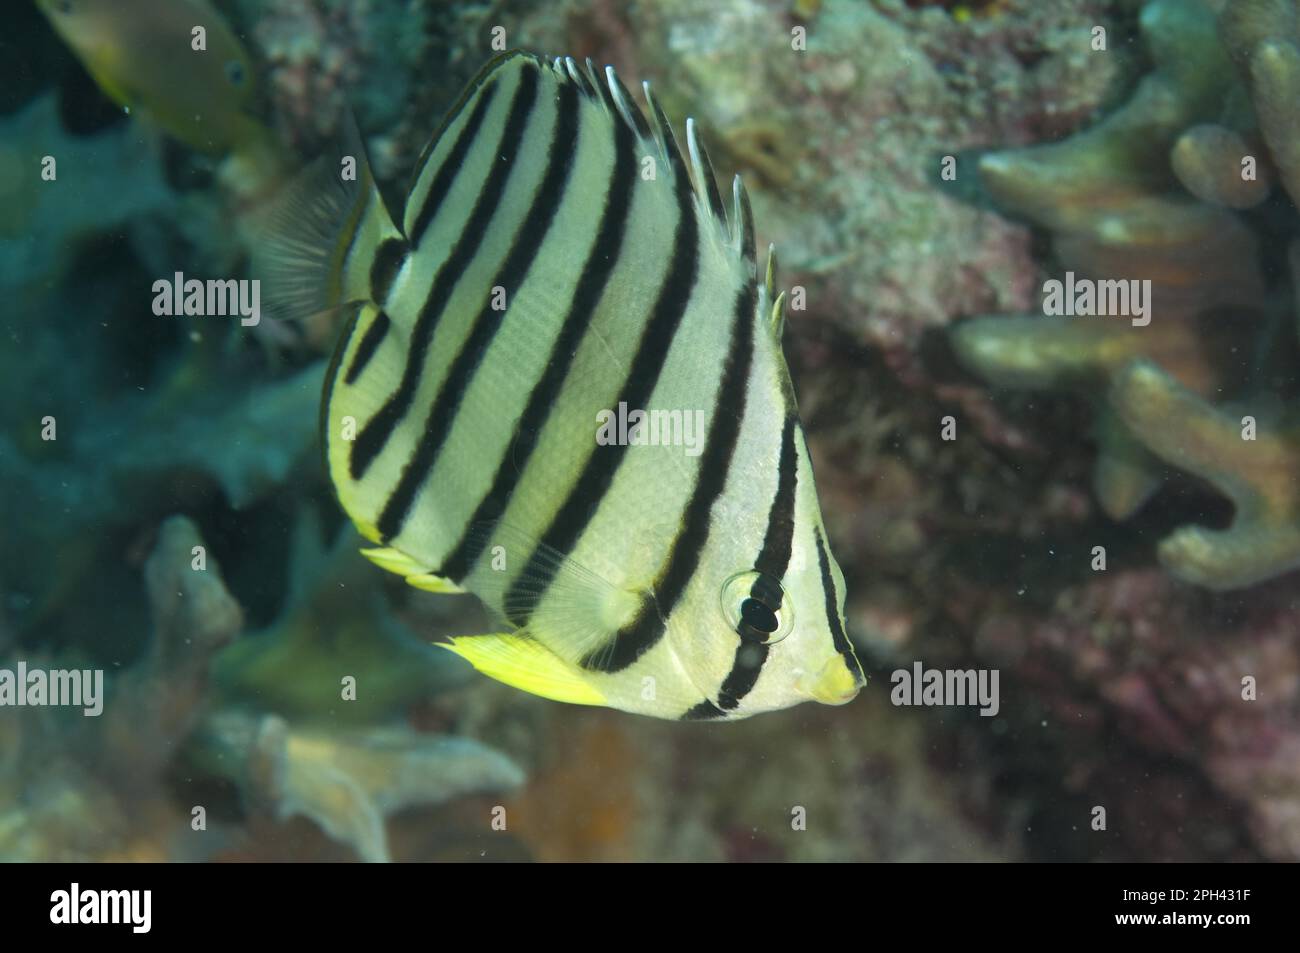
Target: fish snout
833,684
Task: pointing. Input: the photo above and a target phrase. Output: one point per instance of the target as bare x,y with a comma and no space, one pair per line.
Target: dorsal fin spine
742,223
735,229
768,293
706,184
663,134
628,109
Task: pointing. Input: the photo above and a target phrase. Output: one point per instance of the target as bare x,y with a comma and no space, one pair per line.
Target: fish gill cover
1037,296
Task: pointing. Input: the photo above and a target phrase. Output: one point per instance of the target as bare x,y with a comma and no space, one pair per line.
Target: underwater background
1077,503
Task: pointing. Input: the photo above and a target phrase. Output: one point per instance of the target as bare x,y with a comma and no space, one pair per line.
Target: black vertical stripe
704,711
740,681
773,558
638,637
596,271
331,378
451,165
656,338
838,638
778,539
528,241
378,429
370,342
751,656
389,258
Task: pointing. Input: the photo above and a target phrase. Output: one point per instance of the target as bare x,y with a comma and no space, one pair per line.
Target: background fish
554,263
140,53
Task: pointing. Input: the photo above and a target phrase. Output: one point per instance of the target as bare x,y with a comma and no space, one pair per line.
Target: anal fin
416,575
524,663
431,583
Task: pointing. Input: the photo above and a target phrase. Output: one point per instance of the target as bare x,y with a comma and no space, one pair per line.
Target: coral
1179,185
100,184
807,785
82,788
1111,196
1083,354
841,143
139,457
335,623
1071,185
323,59
104,788
1210,684
1208,162
349,782
117,416
1257,471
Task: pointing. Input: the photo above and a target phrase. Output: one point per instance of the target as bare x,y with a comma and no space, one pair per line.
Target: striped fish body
556,269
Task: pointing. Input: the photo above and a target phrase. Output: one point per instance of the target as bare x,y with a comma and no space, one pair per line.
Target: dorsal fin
734,230
706,185
770,298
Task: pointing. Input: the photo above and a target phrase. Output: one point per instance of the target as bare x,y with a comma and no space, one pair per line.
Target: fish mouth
834,684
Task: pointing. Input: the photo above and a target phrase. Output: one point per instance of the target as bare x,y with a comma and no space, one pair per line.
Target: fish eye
756,609
63,6
235,73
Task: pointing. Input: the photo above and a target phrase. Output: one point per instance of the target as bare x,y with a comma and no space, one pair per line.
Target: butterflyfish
560,387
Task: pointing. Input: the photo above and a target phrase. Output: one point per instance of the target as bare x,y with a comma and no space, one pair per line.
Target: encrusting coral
1155,191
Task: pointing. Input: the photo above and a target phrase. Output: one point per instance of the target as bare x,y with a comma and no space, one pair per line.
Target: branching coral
1257,471
1081,354
1152,192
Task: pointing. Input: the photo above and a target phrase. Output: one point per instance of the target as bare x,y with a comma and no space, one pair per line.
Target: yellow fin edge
403,565
524,663
431,583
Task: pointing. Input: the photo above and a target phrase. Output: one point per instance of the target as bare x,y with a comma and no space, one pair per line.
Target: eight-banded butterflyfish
558,263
